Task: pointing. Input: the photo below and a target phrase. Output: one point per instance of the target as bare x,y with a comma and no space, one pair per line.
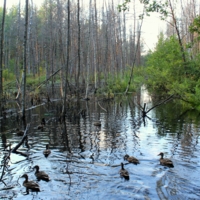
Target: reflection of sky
108,145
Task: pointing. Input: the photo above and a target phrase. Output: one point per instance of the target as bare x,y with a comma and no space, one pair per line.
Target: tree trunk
88,53
67,60
177,31
79,44
135,54
1,55
24,61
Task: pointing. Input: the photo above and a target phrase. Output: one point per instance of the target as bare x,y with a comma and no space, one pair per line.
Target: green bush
8,76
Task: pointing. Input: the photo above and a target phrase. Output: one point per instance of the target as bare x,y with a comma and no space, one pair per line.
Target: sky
151,26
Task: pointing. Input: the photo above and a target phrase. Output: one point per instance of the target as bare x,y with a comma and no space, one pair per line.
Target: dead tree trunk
25,62
1,55
67,61
135,55
79,44
177,31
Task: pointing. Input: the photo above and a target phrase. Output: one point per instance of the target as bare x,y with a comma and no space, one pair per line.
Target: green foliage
155,6
118,83
33,81
149,6
11,65
195,27
8,76
123,6
167,73
165,64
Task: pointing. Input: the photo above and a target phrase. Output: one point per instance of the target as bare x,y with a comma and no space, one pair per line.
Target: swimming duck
97,123
43,122
40,174
124,173
165,161
19,132
41,126
47,151
30,184
131,159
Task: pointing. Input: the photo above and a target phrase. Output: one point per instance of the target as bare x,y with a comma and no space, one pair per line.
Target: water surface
84,162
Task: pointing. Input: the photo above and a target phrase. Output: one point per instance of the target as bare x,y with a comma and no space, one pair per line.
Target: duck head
161,154
36,167
126,157
25,176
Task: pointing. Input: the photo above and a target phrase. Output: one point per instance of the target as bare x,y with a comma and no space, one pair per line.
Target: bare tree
1,55
67,59
25,61
79,45
177,30
88,51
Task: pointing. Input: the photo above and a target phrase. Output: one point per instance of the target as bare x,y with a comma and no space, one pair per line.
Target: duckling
47,151
131,159
41,126
19,132
165,161
30,184
43,122
40,174
124,173
97,123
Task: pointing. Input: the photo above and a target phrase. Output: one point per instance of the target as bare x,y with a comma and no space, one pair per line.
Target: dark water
85,162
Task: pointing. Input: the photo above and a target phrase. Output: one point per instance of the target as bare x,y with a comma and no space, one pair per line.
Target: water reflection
85,159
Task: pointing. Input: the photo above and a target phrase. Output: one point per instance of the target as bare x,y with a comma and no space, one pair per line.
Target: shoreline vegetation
103,64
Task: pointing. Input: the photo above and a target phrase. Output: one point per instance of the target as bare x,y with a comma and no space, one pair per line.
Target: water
85,162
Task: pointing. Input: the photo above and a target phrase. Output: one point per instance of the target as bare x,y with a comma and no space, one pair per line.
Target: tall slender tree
67,60
1,55
79,43
25,61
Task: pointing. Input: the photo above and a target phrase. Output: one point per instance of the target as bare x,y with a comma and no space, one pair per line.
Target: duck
30,184
123,172
43,121
19,132
47,151
165,161
41,126
97,123
131,159
40,174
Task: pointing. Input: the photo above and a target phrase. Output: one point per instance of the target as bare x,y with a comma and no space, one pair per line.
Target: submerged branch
14,150
144,113
102,107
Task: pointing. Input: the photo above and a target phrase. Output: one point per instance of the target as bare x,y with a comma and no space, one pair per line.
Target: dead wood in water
144,112
14,150
4,163
48,78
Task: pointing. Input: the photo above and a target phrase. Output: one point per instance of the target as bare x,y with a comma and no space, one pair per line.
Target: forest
97,50
92,48
75,78
65,45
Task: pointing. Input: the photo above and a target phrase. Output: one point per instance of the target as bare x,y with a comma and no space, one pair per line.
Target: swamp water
91,170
